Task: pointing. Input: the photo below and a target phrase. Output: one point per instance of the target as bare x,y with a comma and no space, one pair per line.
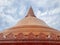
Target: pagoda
30,29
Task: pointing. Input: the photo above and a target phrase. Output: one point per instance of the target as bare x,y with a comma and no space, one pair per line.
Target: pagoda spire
30,13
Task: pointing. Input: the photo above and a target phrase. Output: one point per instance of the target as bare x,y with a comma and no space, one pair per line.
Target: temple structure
30,28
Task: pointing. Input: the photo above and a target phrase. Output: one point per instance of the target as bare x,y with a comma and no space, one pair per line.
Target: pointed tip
30,12
30,8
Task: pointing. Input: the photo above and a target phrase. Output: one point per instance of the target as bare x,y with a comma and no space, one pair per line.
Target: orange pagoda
30,30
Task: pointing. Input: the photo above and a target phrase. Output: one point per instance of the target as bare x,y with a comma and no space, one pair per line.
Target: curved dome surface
31,19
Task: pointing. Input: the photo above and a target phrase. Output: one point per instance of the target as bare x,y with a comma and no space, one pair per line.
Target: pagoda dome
31,19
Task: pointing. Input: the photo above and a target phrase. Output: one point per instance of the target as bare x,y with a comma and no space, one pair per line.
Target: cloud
6,21
22,10
5,2
11,10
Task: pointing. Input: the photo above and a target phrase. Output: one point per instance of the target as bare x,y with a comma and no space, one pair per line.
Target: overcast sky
11,11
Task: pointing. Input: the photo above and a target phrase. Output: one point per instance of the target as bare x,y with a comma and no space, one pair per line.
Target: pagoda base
30,42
